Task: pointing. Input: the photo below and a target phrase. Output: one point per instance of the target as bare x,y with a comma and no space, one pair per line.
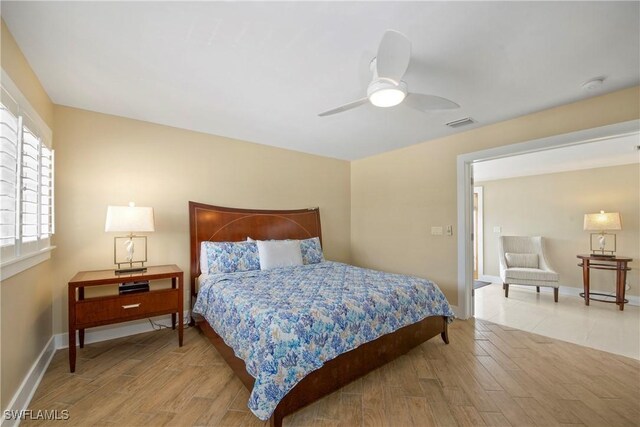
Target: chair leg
503,285
506,290
538,289
555,294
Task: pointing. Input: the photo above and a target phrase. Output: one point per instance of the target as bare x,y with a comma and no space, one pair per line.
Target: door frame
464,171
479,235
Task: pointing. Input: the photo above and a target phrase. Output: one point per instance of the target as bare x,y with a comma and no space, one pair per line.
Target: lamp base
603,255
131,270
603,244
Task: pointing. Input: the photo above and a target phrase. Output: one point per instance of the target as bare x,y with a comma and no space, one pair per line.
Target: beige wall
16,65
102,159
25,299
553,206
376,211
397,196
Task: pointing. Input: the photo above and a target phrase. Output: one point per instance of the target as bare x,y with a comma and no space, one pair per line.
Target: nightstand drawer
105,309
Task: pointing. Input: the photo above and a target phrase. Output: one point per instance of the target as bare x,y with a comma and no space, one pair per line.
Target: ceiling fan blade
345,107
393,56
424,102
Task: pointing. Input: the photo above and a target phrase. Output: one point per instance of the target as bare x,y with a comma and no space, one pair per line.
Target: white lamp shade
129,219
602,221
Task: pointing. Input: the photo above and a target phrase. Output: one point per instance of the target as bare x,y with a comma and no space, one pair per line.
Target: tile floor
600,325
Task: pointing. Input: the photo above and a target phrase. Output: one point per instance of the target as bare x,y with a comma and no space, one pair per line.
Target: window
26,183
8,176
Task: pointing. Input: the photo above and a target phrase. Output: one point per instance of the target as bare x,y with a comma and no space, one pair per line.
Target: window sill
18,265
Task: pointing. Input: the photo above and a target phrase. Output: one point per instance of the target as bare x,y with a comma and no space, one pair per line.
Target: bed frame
214,223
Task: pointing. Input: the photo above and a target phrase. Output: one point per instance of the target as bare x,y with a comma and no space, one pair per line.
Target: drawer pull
131,306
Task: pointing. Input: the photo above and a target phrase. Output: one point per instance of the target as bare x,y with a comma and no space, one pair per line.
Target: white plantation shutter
30,178
26,182
9,126
46,192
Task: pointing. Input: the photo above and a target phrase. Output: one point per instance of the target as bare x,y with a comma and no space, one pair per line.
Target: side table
105,310
617,264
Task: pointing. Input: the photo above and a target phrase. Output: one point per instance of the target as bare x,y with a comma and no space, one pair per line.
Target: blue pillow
311,251
229,257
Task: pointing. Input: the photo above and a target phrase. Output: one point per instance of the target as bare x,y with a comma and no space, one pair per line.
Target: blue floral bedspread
287,322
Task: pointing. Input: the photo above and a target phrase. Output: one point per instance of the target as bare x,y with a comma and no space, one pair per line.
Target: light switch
436,231
449,230
497,229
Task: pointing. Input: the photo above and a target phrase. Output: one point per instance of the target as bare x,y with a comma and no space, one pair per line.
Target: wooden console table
105,310
617,264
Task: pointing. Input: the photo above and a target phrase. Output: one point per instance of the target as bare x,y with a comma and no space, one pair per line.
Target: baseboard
29,385
573,291
456,311
104,333
488,278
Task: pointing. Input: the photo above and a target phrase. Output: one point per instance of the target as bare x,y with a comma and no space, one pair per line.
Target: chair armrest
502,260
544,263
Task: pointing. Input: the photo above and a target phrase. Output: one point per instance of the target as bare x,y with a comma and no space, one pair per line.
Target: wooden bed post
276,419
445,334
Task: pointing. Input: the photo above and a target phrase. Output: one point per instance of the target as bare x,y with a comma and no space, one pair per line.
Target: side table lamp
129,219
601,222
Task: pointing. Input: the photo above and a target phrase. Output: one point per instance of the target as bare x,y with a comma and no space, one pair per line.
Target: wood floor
489,375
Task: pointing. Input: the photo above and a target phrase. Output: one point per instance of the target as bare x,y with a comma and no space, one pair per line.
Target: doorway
465,194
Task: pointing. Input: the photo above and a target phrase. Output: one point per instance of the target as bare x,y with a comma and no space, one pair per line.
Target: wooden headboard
218,224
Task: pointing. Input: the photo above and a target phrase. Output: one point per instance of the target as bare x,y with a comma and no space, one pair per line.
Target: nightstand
105,310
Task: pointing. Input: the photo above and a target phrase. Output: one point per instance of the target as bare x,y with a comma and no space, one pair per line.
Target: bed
217,224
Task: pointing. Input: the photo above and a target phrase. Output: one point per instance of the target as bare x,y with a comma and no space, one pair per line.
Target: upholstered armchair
523,262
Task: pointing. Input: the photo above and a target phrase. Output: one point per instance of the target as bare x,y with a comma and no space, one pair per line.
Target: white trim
465,227
489,278
106,333
16,265
478,189
573,291
24,105
30,384
456,311
26,254
464,188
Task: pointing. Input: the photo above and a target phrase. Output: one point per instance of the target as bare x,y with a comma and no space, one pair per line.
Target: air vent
461,122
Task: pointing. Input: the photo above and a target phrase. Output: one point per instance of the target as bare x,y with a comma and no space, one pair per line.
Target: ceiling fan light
387,97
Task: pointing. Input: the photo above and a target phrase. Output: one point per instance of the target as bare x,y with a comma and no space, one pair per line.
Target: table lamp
603,221
129,219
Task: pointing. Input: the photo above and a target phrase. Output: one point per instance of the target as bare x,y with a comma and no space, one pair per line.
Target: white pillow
521,260
279,253
204,263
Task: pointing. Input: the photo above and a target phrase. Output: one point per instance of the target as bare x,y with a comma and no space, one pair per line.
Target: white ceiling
262,71
621,150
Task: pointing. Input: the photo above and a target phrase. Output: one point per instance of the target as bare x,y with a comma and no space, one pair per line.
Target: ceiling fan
387,88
